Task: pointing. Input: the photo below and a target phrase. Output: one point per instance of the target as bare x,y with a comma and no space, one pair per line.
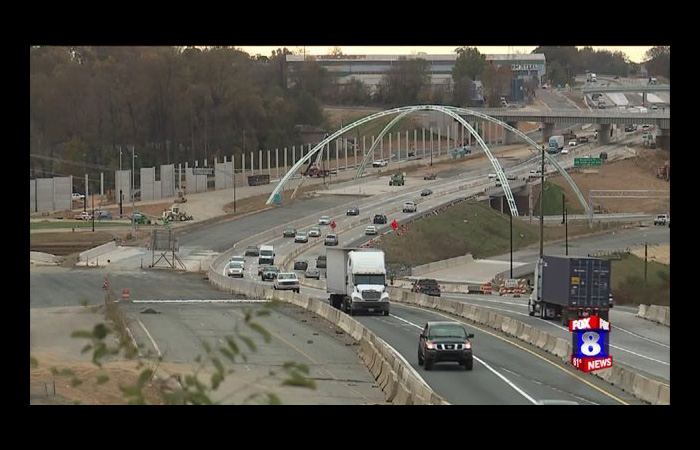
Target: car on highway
315,231
573,143
252,250
379,163
301,264
426,192
331,240
630,127
409,207
237,258
353,211
289,231
379,219
83,216
286,281
301,237
269,273
445,341
427,286
429,176
370,230
313,272
324,220
565,151
582,139
77,196
235,269
321,262
261,269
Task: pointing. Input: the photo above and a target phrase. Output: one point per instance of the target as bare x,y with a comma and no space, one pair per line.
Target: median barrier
562,348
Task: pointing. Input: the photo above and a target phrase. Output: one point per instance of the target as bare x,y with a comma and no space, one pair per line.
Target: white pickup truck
662,219
286,281
409,207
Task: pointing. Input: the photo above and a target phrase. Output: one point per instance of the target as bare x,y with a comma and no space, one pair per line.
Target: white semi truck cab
356,280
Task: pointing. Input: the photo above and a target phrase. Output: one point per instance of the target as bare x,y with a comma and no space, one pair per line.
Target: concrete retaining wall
92,254
43,258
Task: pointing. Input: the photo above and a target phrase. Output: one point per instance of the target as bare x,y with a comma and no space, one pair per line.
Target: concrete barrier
43,258
655,313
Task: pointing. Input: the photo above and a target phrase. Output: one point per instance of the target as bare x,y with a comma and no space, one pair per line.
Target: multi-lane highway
171,314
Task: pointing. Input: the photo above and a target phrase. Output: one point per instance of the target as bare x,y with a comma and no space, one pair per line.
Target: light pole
133,168
121,195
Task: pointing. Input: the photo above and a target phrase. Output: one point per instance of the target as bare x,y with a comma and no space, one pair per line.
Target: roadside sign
394,225
333,224
587,162
203,171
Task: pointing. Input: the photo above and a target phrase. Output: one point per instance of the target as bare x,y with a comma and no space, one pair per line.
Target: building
369,69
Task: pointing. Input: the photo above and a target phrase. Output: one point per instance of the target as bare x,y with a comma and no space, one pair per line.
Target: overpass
591,88
601,117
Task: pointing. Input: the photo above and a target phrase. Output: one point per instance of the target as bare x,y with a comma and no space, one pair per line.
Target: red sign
394,225
333,225
591,364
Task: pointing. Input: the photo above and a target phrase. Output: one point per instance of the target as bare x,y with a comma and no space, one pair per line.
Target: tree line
90,106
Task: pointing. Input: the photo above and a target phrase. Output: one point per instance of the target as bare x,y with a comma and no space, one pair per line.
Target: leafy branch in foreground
210,372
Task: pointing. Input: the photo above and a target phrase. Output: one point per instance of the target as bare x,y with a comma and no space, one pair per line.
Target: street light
133,207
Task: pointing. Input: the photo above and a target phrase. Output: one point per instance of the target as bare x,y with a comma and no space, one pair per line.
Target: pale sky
634,53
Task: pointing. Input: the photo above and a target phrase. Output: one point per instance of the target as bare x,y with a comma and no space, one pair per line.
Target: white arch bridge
451,111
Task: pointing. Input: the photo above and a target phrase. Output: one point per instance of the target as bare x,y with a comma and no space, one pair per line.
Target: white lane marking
153,342
506,380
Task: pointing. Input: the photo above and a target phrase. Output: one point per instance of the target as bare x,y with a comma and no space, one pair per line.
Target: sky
634,53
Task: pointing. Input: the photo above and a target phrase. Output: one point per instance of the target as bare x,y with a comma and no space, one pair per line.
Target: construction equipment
174,214
397,179
664,171
181,197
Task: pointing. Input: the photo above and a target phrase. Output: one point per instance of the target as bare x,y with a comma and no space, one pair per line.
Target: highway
185,309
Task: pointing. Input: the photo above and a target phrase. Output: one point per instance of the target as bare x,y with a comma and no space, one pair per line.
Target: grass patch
628,282
464,228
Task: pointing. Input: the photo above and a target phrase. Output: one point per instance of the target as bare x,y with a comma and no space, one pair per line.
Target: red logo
333,225
394,225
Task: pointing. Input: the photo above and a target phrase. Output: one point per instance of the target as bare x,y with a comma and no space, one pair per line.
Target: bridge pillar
663,139
547,131
604,133
509,137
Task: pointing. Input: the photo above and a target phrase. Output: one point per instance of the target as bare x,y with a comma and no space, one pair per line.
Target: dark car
582,139
445,341
321,262
269,273
353,211
379,219
300,264
427,286
426,192
252,250
289,232
429,176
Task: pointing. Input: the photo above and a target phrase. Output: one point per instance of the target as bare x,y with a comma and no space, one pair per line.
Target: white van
267,255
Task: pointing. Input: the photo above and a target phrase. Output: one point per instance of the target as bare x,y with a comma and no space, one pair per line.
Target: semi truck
569,287
356,280
556,143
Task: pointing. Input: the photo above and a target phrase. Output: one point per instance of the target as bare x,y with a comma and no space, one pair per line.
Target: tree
470,63
496,81
658,61
407,82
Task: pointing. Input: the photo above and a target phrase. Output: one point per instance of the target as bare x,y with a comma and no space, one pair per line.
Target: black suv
442,341
353,211
379,218
321,262
426,286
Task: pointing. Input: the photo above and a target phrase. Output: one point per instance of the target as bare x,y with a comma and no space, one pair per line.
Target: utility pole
541,202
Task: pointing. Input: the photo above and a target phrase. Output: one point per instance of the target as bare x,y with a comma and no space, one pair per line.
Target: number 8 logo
590,346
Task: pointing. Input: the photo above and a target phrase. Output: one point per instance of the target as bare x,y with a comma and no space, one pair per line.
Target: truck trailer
570,287
356,280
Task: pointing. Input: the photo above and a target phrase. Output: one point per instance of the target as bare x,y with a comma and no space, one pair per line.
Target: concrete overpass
597,88
601,117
